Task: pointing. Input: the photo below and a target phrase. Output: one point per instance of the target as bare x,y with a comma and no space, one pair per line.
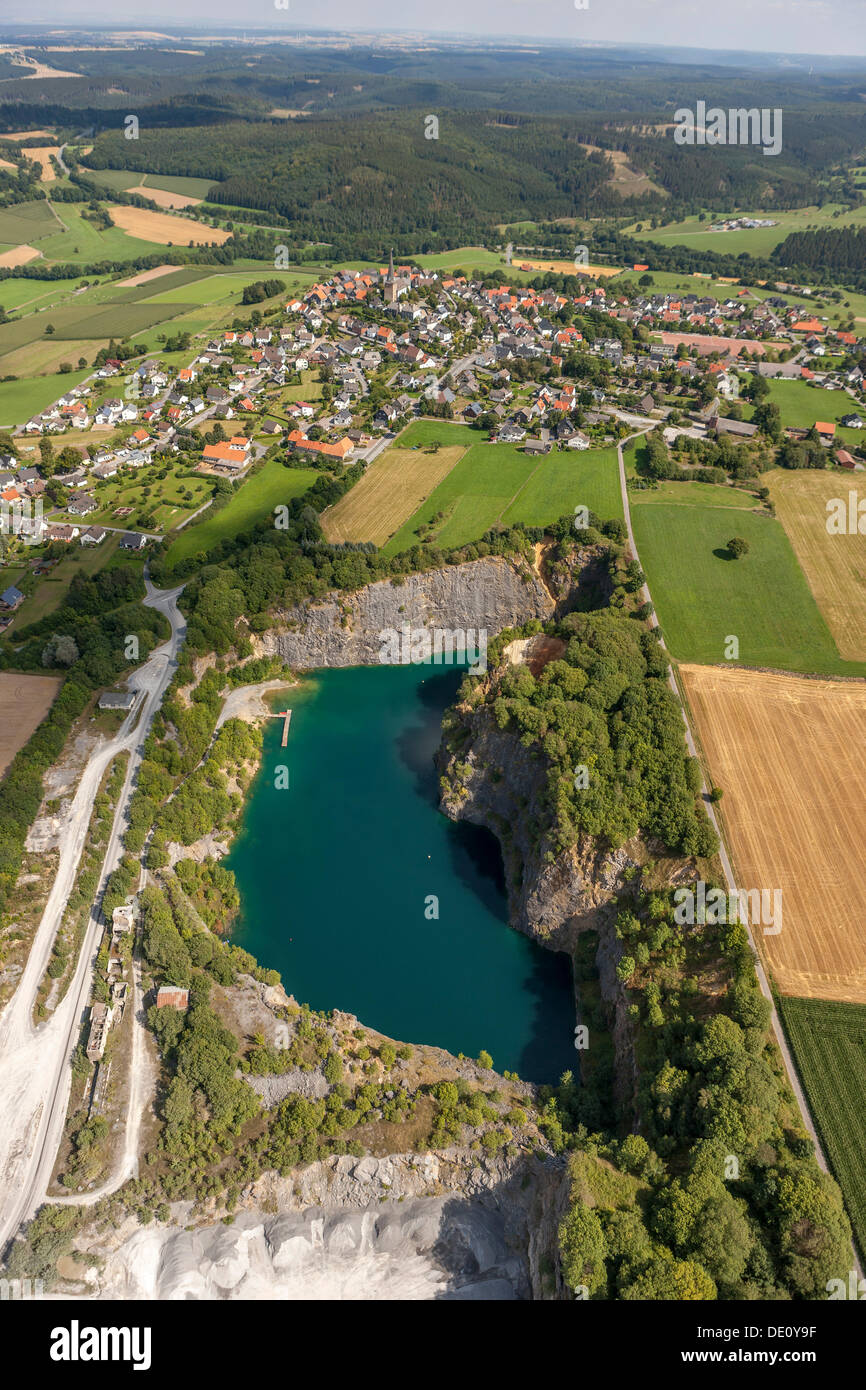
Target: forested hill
379,172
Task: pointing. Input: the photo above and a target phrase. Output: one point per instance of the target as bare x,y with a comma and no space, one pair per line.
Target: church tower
390,283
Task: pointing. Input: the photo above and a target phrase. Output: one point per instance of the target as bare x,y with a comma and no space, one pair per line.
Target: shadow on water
476,860
548,979
417,745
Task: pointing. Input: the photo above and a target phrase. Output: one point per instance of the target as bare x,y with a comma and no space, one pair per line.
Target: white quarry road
35,1076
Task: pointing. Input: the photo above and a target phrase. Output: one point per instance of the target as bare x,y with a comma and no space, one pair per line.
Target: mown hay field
19,255
558,267
788,755
163,198
835,566
164,229
392,488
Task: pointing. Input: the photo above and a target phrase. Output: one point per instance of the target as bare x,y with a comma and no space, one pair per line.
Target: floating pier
286,716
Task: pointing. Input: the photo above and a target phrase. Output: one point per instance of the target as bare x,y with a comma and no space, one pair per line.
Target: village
375,349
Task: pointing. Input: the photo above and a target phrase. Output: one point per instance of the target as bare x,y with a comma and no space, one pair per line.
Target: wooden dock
286,716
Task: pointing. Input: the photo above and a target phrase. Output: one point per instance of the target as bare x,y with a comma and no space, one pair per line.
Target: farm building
170,996
117,699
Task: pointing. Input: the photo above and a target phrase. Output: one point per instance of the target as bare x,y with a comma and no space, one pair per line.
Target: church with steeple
394,285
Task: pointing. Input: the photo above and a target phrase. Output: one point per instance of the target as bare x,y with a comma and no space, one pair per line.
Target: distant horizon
835,27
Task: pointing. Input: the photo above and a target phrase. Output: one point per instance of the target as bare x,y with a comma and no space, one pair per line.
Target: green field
27,222
218,289
84,319
124,179
702,596
694,494
498,484
116,320
81,241
759,241
22,294
121,179
173,279
21,399
829,1045
566,480
800,405
170,183
257,497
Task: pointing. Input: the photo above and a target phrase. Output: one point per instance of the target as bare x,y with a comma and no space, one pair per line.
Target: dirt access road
35,1076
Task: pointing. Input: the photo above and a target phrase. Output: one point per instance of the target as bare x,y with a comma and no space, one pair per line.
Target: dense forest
378,172
830,250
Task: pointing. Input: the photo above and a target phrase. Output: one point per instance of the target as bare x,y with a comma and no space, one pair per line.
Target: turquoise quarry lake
335,872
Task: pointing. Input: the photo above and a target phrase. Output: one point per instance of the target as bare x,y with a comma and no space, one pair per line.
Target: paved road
723,853
35,1077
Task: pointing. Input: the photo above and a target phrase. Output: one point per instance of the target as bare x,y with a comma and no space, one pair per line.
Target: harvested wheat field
164,199
599,272
145,276
164,229
19,255
24,703
835,566
788,752
393,487
41,154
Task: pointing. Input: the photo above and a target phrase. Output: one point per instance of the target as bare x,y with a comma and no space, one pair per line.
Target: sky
788,26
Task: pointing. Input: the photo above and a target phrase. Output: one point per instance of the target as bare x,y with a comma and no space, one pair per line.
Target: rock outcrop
492,780
345,629
453,1225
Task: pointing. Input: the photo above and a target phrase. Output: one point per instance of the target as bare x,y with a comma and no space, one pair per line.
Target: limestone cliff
344,629
489,778
451,1225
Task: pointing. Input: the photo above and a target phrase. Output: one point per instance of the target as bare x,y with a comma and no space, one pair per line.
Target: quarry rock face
455,1225
490,779
344,629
